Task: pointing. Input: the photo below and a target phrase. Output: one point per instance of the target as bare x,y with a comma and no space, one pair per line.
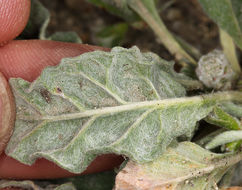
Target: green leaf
189,70
229,50
147,10
232,146
232,108
97,181
222,119
225,137
112,35
31,185
182,167
227,14
37,23
208,137
65,37
117,7
123,101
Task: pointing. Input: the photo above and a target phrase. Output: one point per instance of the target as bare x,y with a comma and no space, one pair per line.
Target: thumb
7,112
13,18
14,15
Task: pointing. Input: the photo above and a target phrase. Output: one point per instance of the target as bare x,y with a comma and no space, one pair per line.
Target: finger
14,15
27,58
7,112
43,169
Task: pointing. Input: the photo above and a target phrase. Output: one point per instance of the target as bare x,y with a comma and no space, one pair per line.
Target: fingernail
7,112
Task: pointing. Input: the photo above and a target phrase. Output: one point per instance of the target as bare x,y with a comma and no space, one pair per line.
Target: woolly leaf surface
123,101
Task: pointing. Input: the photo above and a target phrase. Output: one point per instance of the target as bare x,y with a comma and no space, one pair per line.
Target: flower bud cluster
215,71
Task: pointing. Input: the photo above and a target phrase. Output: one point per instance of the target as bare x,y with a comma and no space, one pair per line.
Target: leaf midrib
158,104
116,109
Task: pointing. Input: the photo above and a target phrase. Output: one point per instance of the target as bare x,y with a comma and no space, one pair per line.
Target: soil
183,18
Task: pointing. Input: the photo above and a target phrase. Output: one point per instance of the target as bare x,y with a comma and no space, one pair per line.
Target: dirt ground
184,18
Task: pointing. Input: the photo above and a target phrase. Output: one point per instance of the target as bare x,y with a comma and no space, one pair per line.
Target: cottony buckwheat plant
172,129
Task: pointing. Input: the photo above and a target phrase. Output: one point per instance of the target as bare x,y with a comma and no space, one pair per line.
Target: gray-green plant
135,104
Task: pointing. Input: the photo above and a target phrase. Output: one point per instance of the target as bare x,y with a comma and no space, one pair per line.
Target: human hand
26,59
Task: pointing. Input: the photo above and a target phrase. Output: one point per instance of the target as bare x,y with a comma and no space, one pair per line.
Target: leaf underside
182,167
123,102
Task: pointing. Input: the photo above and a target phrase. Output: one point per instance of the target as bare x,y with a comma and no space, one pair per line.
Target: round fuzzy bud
215,71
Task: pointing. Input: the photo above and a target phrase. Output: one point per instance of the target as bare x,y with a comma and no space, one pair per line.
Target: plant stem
154,21
229,50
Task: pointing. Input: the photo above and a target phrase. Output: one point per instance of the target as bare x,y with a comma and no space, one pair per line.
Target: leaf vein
137,122
120,100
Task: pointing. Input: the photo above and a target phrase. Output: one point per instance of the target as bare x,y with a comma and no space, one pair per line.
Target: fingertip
14,16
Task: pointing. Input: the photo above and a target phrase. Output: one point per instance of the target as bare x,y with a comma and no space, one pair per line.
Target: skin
26,59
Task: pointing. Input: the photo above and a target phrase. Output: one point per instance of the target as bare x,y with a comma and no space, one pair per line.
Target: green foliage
222,119
123,101
31,185
37,25
235,109
227,14
225,137
147,10
182,167
232,139
65,37
117,7
98,181
113,35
